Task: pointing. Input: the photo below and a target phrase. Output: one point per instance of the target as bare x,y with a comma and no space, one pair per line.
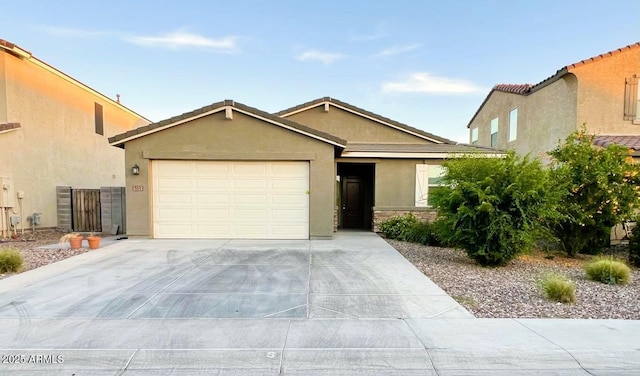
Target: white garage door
245,200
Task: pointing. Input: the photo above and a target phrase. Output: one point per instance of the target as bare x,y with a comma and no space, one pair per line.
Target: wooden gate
85,208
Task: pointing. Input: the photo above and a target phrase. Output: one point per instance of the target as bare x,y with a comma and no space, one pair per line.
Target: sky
428,64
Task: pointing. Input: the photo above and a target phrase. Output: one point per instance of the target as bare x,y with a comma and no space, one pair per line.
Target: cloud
395,50
182,39
324,57
423,82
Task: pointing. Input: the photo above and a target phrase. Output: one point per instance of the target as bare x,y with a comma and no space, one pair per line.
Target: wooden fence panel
86,210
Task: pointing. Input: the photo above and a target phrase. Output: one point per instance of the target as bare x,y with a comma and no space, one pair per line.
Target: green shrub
601,189
494,208
609,271
398,227
558,288
10,260
634,246
423,233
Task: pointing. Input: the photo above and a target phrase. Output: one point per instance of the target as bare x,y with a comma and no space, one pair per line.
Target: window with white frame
474,136
632,99
428,180
513,124
494,132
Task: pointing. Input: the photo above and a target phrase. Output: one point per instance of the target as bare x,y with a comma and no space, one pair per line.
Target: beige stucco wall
3,91
244,138
544,117
57,144
395,182
351,127
601,89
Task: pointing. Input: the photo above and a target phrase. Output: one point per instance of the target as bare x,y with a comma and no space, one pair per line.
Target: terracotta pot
75,242
94,242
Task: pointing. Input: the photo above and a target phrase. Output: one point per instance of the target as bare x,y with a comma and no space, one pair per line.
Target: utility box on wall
7,193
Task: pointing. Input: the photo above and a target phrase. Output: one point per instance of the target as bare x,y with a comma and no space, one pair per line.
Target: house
601,92
53,133
228,170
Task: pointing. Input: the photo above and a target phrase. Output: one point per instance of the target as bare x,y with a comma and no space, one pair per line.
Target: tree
495,208
601,189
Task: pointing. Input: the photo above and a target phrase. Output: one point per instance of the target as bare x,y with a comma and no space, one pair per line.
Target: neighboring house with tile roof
601,92
53,132
228,170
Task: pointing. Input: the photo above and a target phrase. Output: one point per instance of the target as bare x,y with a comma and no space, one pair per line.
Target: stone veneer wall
423,214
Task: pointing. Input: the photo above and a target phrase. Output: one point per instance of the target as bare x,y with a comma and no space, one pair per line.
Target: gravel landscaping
511,291
32,256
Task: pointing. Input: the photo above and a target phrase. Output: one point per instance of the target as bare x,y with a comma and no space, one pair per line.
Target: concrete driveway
351,305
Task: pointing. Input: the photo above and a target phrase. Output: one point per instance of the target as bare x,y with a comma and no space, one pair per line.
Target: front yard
511,291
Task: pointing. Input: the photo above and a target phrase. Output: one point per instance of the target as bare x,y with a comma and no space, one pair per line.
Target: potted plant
94,241
74,239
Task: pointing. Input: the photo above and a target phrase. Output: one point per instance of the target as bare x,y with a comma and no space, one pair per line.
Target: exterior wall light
135,169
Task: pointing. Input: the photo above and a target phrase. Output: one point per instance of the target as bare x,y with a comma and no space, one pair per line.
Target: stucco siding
601,89
3,91
57,144
351,127
244,138
544,117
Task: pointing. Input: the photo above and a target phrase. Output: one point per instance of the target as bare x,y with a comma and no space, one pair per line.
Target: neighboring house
53,132
232,171
601,92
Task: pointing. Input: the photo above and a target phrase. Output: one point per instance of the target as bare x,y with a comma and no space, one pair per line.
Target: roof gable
328,102
228,106
527,89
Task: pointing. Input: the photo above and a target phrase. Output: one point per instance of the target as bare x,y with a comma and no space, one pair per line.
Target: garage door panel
289,200
174,169
177,214
169,183
173,230
174,198
208,184
298,185
285,215
217,214
249,184
212,198
250,168
250,199
207,169
232,199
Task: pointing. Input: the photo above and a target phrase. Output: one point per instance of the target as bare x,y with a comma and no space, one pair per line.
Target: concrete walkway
348,306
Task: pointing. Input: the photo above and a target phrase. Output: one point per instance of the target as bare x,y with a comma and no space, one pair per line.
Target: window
513,124
428,180
631,99
494,132
99,119
474,136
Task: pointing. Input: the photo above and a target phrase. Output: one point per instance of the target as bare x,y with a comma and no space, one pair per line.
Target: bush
609,271
10,260
558,288
634,246
398,226
423,233
601,189
495,208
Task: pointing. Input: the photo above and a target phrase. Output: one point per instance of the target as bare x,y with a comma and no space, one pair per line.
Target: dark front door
352,203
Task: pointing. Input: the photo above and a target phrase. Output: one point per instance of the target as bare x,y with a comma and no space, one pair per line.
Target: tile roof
526,89
629,141
513,88
418,148
118,140
380,118
9,126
